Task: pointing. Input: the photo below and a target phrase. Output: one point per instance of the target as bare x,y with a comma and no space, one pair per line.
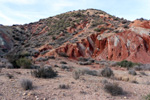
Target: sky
26,11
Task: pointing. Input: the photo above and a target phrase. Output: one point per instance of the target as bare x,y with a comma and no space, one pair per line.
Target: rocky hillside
87,33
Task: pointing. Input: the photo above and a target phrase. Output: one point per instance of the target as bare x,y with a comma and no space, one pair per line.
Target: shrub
24,54
89,72
26,84
107,72
63,62
63,86
54,38
126,64
75,74
104,81
12,59
143,73
147,97
113,89
126,26
97,22
47,72
24,63
97,29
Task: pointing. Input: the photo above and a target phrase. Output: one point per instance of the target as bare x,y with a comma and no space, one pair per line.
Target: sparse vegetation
143,73
147,97
26,84
47,72
54,38
76,74
113,89
63,86
107,72
89,72
96,22
24,63
99,29
126,64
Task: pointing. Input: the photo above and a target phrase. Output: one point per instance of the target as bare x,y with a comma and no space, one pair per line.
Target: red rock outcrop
129,44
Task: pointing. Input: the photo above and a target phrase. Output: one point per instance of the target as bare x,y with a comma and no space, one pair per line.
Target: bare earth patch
87,87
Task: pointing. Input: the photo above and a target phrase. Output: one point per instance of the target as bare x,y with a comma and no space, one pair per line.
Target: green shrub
12,59
19,60
126,64
46,72
147,97
24,63
97,21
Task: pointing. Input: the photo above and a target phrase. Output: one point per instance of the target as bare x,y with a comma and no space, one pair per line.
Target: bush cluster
126,64
113,89
47,72
24,63
107,72
26,84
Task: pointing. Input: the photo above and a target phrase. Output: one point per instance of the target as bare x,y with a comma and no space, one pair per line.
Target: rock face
87,33
132,44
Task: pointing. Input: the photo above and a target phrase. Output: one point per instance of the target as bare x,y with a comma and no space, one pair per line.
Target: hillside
83,33
77,55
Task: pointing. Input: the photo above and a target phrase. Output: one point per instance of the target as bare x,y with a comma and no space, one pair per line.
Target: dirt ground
87,87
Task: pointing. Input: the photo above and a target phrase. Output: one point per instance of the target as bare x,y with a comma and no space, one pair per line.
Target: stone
124,78
132,72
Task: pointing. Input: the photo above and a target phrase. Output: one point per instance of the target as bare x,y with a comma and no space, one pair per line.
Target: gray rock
47,66
132,72
142,67
9,65
4,63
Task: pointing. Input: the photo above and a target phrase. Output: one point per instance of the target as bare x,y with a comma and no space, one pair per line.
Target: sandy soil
86,88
